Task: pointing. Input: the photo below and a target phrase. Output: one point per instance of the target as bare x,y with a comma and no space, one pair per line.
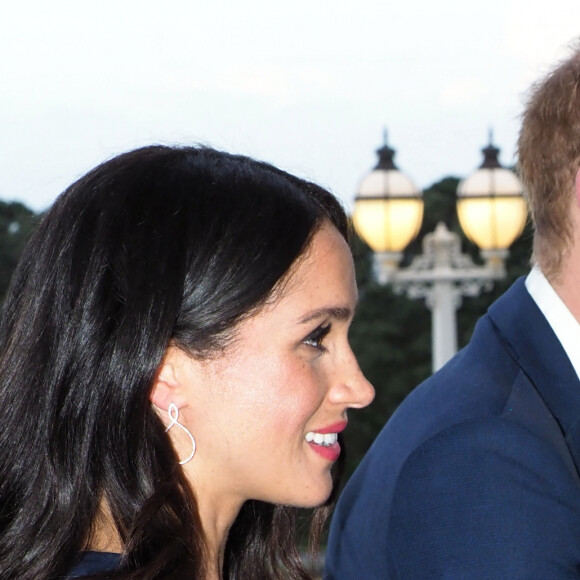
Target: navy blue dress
93,562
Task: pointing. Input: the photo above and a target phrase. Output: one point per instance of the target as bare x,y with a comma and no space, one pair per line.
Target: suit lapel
533,344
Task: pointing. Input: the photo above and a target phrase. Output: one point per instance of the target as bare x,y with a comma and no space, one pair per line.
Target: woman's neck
218,507
216,525
104,534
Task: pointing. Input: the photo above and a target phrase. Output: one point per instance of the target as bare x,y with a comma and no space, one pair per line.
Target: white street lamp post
492,212
442,275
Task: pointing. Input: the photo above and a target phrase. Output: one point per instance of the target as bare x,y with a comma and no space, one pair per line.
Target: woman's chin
314,500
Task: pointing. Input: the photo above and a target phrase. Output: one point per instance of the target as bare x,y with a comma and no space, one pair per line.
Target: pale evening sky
306,85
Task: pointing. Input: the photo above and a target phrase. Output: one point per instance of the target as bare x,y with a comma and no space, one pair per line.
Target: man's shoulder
481,407
477,382
484,380
480,380
474,497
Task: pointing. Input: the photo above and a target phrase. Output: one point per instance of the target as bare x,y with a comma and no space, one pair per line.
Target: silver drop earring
173,413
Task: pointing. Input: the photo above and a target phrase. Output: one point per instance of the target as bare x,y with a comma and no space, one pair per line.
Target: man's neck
567,284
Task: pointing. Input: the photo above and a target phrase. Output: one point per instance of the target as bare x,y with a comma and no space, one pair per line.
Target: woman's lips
335,428
324,441
330,452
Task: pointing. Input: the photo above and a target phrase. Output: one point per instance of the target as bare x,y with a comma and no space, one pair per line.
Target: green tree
17,222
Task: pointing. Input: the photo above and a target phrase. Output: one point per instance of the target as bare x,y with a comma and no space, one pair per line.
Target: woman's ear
168,388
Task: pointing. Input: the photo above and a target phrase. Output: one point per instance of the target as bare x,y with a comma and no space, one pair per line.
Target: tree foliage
16,225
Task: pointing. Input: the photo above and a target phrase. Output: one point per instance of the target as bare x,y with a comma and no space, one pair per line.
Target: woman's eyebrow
336,312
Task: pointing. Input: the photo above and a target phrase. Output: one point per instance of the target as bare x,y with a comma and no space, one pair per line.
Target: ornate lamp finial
386,154
490,154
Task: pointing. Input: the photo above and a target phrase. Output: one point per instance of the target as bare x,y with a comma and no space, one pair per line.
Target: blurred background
308,86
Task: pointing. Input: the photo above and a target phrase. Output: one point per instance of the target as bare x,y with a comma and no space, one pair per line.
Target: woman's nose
351,388
362,389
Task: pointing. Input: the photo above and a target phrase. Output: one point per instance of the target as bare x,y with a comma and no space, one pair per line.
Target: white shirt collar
563,323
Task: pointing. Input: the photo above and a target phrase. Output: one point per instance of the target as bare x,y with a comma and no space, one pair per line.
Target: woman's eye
316,337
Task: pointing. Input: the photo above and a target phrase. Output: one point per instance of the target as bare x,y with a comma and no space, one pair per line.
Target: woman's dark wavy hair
156,246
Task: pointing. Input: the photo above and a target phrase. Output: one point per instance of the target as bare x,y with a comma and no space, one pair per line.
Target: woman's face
265,414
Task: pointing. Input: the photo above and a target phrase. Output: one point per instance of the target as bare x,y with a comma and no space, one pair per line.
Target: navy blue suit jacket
476,473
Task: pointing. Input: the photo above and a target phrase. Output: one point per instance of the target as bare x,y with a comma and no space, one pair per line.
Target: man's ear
577,182
168,388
